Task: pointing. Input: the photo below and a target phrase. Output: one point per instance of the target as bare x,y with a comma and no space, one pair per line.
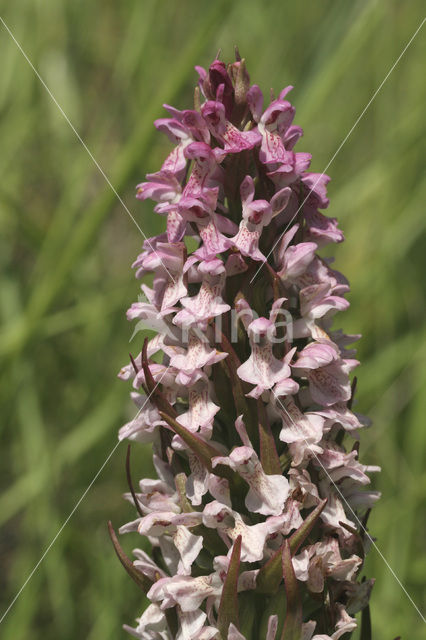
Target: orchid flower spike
256,518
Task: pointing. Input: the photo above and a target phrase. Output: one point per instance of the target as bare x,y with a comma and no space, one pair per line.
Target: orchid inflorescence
257,519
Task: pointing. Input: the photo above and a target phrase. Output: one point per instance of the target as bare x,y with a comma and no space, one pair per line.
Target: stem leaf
270,575
293,619
228,608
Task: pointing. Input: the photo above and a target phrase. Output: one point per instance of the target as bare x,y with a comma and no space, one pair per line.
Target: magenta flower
257,516
256,214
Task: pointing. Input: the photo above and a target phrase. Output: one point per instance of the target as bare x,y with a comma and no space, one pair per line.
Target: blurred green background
67,245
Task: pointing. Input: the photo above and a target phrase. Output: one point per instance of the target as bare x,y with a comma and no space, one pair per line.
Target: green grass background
66,245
